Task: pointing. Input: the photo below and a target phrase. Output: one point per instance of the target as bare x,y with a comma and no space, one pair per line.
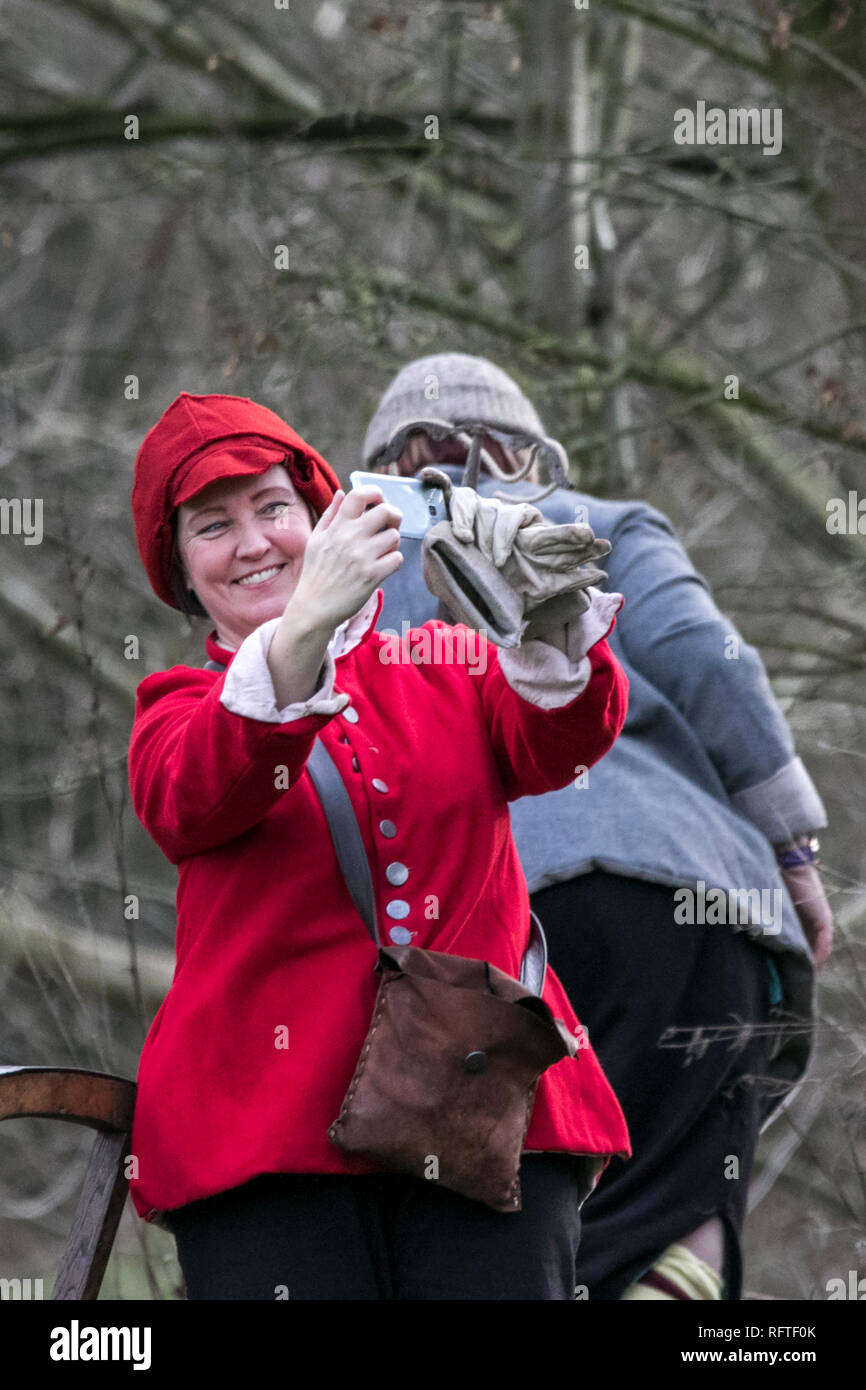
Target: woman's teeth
261,576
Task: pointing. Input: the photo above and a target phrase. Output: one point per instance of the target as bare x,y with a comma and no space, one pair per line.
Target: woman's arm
296,657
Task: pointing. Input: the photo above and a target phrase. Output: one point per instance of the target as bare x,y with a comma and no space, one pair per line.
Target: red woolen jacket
252,1050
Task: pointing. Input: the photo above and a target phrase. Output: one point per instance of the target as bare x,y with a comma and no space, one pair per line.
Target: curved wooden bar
74,1094
104,1103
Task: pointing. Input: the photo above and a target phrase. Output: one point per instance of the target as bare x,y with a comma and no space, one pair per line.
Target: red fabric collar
224,655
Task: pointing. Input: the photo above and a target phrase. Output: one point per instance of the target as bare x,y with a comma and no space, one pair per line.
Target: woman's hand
348,555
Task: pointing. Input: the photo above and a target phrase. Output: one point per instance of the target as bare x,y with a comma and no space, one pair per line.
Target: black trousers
383,1236
632,973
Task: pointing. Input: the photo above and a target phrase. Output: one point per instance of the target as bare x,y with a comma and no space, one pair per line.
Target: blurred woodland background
429,171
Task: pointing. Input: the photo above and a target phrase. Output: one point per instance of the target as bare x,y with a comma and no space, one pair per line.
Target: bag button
475,1062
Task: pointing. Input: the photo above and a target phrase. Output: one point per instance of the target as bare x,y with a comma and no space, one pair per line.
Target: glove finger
495,527
485,533
464,507
575,532
544,540
552,564
584,576
537,584
506,524
488,522
555,617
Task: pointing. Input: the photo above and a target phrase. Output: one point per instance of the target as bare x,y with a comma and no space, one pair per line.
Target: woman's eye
281,506
204,530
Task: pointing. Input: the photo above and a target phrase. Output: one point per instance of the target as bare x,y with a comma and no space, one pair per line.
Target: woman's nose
252,537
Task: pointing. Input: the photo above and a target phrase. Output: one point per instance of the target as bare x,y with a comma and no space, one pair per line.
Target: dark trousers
383,1236
633,974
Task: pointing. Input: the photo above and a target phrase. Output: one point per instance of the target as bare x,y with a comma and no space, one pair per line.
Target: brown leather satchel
446,1079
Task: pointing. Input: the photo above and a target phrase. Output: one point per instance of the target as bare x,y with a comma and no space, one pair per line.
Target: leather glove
538,559
533,575
488,522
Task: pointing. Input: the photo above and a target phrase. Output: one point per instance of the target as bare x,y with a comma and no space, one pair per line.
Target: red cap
199,439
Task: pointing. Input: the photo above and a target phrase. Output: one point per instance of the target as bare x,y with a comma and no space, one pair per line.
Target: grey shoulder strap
345,833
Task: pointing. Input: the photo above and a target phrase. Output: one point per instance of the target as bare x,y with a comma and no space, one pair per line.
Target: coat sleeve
540,749
199,773
673,634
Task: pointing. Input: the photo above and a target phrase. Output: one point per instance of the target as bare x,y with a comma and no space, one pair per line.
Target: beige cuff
546,676
248,688
784,805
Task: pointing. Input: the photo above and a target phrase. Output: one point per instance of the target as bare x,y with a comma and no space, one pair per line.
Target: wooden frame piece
104,1103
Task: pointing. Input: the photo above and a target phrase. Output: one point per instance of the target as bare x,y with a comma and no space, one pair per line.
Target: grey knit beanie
450,386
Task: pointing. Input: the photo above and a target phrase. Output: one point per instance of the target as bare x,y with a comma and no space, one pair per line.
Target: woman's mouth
258,578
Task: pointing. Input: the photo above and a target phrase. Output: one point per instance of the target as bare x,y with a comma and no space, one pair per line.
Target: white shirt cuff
248,688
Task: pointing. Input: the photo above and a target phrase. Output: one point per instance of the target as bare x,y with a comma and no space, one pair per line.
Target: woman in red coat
249,1057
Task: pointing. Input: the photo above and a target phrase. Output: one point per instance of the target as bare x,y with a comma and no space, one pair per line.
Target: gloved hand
550,565
502,567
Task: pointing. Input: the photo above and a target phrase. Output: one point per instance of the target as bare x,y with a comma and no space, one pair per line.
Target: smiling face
241,543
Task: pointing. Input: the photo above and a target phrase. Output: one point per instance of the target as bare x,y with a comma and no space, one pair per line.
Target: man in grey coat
678,886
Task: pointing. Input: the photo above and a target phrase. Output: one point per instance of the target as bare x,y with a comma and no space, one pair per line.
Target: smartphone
422,504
